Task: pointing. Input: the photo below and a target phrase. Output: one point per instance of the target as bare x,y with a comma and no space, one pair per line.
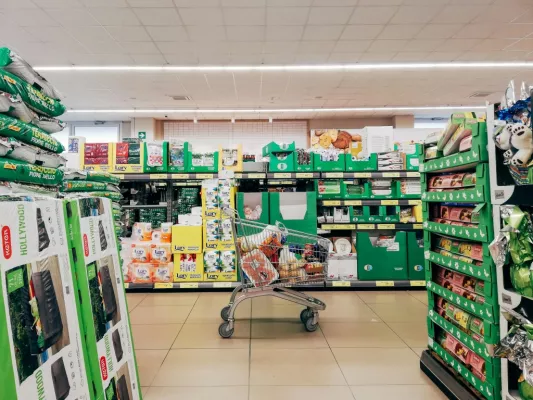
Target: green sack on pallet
82,186
33,98
114,196
27,133
17,171
93,176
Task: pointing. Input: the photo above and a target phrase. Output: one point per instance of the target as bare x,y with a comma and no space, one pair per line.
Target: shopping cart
270,259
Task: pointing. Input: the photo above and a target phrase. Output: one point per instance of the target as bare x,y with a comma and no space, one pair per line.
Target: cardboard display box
220,265
41,347
128,157
155,158
97,156
94,255
230,158
186,239
253,206
381,263
415,257
295,210
178,156
188,267
281,162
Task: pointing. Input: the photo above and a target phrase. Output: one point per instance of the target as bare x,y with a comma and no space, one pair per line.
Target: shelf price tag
204,176
331,202
353,202
366,226
158,176
304,175
389,202
418,283
334,174
340,284
414,202
221,284
413,174
163,285
362,175
189,285
386,226
391,174
339,226
256,176
283,175
126,285
119,176
385,283
180,176
237,175
418,226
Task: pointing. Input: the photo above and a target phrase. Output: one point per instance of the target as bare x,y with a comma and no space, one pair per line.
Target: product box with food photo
104,310
41,345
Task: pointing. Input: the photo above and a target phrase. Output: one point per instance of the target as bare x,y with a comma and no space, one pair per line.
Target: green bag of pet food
82,186
17,171
29,134
34,98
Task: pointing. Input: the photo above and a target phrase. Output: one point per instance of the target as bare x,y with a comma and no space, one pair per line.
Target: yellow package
187,239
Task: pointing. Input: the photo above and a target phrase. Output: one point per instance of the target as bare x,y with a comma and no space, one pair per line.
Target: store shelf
399,202
480,234
142,177
377,284
139,206
180,285
279,182
397,227
250,175
484,272
380,174
293,175
444,379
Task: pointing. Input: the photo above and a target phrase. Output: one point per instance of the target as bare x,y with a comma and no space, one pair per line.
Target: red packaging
121,160
461,214
95,161
477,338
90,150
477,363
102,149
121,149
441,303
464,281
478,375
451,343
471,250
461,352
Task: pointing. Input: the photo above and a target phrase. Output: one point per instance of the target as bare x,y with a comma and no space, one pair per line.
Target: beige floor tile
372,366
155,337
170,299
204,367
294,367
285,335
420,295
148,363
337,299
413,333
419,350
401,312
397,392
198,393
300,393
160,314
144,390
360,334
134,299
205,336
349,312
385,297
213,299
208,311
263,311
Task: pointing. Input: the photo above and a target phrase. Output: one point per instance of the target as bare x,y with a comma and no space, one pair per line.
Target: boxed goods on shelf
220,265
155,157
275,147
365,164
303,160
202,162
381,257
128,156
329,161
295,210
342,267
281,162
178,156
97,157
330,189
187,239
188,267
253,206
217,194
42,347
230,158
415,256
95,258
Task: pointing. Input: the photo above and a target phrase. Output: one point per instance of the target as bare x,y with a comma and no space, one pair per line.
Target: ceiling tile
19,4
246,59
372,15
414,15
443,56
521,45
283,33
181,59
197,3
73,17
289,3
114,16
201,16
280,47
457,14
215,59
245,33
167,33
323,32
104,47
474,56
355,46
206,33
104,3
499,14
525,17
309,58
377,57
335,3
476,31
512,31
403,56
158,16
44,34
57,3
129,33
439,31
28,17
243,3
151,3
344,58
511,55
418,45
100,59
244,16
316,47
355,32
460,45
400,31
494,44
383,46
280,59
287,15
329,15
176,47
89,33
244,48
380,2
140,48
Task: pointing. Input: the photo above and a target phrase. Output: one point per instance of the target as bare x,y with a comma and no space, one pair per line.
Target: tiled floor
366,348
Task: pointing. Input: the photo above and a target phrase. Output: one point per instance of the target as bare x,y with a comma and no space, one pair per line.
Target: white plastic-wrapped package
34,155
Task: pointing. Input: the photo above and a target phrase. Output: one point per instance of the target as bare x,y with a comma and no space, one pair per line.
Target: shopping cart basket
270,259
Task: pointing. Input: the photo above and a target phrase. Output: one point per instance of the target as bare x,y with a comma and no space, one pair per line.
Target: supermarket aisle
367,348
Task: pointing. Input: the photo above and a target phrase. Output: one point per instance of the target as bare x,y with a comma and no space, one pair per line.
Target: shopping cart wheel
225,312
310,326
306,314
224,331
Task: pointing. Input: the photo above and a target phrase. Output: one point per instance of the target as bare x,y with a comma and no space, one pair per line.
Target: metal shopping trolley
270,259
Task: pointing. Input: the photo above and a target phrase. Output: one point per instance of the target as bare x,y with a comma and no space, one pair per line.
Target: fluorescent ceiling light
282,110
323,67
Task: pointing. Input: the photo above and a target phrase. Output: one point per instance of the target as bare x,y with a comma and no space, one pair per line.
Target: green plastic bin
380,263
295,210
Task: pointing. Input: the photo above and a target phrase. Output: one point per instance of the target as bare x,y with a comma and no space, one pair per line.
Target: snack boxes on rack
41,337
94,255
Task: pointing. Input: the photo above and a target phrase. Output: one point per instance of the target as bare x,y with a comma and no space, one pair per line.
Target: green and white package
34,98
28,133
42,352
103,300
94,176
18,171
34,155
82,186
15,64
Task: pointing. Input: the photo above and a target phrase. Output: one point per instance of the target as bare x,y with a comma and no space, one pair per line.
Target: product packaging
188,267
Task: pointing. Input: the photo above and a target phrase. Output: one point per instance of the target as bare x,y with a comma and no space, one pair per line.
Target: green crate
303,167
372,214
398,190
178,159
274,147
329,166
252,200
281,162
330,189
202,169
392,195
370,164
391,213
306,201
155,169
377,263
415,258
